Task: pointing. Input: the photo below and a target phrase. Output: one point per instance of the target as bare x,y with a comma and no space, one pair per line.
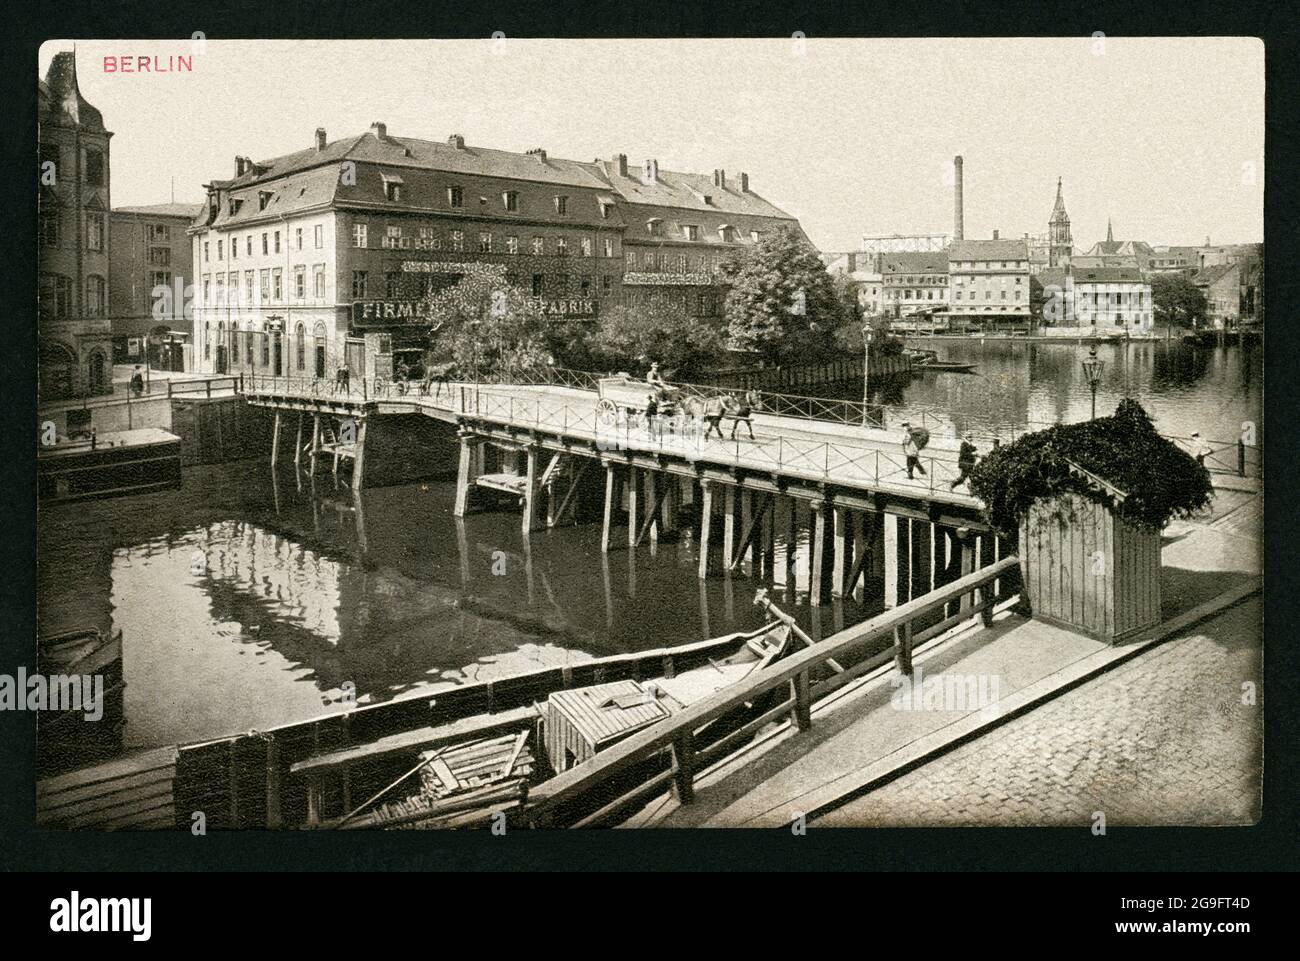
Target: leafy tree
1177,301
630,338
486,325
782,303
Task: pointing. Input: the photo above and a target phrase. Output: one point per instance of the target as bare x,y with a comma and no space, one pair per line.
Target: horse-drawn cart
629,396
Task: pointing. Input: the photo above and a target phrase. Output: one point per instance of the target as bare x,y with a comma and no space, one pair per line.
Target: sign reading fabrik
390,313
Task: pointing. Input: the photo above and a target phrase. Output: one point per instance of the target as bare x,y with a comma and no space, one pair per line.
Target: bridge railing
974,594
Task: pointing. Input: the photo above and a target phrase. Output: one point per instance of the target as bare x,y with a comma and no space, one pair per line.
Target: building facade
989,282
863,271
75,336
913,282
1109,299
150,271
325,256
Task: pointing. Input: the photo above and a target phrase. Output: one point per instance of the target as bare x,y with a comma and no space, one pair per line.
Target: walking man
965,461
651,414
914,440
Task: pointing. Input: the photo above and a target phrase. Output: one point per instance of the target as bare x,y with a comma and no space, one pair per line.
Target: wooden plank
56,800
148,760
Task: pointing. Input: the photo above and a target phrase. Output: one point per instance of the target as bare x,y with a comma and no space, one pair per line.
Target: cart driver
655,379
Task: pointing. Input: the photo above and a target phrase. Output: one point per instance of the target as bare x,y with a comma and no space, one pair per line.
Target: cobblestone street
1161,740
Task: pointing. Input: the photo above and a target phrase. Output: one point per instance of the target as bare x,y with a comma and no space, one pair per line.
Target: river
248,599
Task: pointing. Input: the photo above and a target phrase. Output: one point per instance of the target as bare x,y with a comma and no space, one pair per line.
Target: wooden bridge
549,445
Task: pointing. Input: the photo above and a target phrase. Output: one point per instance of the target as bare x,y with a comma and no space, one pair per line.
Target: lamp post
1092,368
866,372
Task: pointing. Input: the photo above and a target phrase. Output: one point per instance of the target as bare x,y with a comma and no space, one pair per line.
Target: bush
1161,480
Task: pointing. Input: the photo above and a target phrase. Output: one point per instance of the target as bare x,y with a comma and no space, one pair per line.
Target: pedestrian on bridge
966,458
914,441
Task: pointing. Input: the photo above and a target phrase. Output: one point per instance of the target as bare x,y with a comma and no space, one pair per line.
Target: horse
441,374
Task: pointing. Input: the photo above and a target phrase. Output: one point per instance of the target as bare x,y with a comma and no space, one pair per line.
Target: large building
325,256
1060,243
914,282
150,271
989,282
1106,298
75,334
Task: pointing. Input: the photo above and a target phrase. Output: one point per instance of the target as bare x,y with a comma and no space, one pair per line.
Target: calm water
248,600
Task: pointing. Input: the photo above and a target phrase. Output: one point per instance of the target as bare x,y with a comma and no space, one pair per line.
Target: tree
1177,301
630,338
782,303
486,325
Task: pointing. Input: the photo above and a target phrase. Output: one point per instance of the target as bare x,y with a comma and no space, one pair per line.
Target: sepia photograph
500,434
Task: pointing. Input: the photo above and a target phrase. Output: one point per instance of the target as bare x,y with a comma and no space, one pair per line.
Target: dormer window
263,198
235,204
510,199
561,204
727,233
753,236
392,187
455,197
691,231
654,227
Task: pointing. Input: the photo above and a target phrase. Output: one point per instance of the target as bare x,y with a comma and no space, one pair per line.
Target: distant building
864,272
914,281
1116,253
149,254
1170,260
1060,243
989,282
1209,256
1102,297
75,352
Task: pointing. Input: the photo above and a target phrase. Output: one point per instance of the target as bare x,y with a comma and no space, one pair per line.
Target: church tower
1061,244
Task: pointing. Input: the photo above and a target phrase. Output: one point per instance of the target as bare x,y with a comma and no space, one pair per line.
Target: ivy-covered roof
1119,461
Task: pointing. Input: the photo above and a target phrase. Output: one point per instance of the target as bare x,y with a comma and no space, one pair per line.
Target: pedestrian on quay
966,458
1196,446
914,441
740,413
713,411
137,382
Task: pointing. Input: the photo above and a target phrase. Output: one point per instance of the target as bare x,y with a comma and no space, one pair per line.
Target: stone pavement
1162,740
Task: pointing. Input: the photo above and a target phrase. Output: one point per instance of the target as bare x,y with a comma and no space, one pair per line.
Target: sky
1164,136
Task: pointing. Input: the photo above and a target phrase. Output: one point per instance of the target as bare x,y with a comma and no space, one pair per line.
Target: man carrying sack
914,441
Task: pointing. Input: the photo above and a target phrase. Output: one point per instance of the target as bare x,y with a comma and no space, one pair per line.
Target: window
458,240
692,232
511,200
277,241
609,247
654,227
234,248
728,234
537,285
358,235
1004,295
277,285
538,246
248,249
265,244
561,204
359,283
297,238
50,223
221,250
584,285
94,168
205,251
753,236
631,259
248,287
318,281
586,246
96,296
264,285
266,350
300,346
160,278
319,236
55,295
455,197
300,282
485,242
392,190
221,291
159,233
263,198
561,247
606,284
392,284
512,245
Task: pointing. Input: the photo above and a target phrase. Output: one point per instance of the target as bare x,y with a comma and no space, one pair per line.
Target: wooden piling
843,550
275,439
792,546
747,520
532,487
706,527
652,505
315,441
630,485
463,477
297,443
359,454
895,538
608,517
816,597
729,532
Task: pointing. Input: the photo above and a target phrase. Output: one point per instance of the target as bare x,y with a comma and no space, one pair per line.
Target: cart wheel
606,412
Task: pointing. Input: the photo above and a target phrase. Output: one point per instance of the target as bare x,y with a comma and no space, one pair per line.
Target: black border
1267,846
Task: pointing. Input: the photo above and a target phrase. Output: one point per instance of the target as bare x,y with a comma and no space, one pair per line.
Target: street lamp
1092,368
866,371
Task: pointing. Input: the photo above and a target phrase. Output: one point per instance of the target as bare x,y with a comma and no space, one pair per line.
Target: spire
1058,209
1110,234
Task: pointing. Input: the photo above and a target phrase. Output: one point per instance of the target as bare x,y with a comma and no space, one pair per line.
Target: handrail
677,732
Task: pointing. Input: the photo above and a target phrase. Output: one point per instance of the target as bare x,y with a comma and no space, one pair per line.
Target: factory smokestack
957,233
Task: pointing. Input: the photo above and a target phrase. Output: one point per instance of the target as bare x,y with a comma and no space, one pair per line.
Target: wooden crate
578,725
1089,570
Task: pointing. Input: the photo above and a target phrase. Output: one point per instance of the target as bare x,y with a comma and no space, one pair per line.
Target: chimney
380,130
957,231
720,179
539,153
320,138
457,141
239,166
621,161
995,234
651,173
744,183
852,258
